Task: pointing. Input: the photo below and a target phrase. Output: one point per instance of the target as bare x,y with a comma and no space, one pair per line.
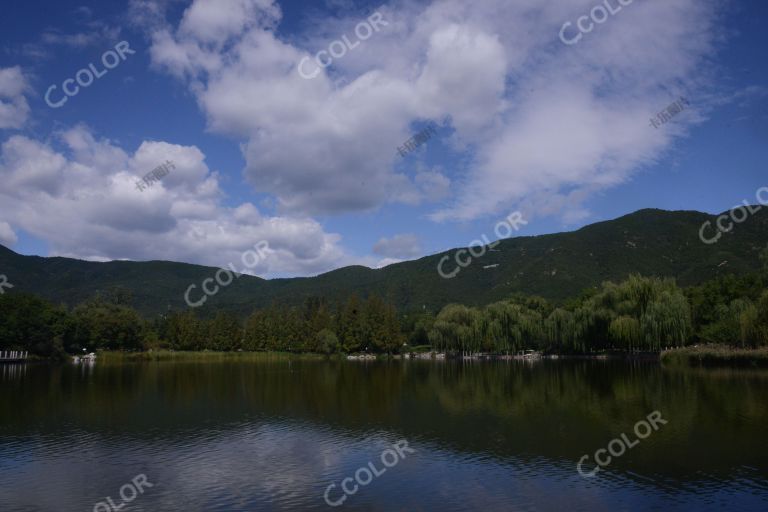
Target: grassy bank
715,355
202,357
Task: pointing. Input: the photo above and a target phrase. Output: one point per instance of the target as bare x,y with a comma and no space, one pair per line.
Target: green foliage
31,324
558,267
764,259
107,326
753,323
327,342
715,355
639,314
625,332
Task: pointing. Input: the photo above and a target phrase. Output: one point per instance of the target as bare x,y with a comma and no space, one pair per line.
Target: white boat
89,358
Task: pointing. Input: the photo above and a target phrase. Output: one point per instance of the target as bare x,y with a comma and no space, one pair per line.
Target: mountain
555,266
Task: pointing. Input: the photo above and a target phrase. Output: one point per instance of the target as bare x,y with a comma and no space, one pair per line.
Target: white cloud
400,247
385,262
14,109
536,118
215,21
100,34
434,185
91,33
7,235
84,202
149,15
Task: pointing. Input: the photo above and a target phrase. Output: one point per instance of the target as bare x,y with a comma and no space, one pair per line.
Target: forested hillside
556,267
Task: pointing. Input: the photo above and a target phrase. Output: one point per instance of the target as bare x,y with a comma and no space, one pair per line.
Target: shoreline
714,356
213,356
698,356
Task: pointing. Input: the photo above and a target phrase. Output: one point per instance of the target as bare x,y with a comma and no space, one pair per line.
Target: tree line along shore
639,314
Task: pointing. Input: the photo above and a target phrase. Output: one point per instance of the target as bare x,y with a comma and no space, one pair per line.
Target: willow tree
733,323
560,328
592,326
753,323
625,332
452,328
666,321
504,322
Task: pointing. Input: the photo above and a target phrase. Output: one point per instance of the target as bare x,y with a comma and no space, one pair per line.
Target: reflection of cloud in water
253,469
286,465
227,438
273,462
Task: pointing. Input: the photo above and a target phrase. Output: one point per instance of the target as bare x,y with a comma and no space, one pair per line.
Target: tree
327,342
104,325
32,324
351,326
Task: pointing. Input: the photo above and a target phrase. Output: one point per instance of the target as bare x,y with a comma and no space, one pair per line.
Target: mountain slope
556,266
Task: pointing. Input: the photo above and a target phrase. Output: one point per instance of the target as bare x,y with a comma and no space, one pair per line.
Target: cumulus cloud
14,109
581,120
526,122
149,14
402,246
7,235
531,116
317,147
85,202
216,21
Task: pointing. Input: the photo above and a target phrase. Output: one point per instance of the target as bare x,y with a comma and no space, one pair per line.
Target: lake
403,435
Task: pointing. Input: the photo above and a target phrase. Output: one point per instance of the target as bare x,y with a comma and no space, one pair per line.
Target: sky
284,122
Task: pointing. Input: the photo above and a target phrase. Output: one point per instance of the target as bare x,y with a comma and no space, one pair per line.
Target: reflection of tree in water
557,410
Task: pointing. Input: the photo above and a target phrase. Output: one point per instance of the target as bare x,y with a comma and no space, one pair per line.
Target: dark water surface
274,435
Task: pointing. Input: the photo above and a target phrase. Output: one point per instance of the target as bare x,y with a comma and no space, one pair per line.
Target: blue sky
560,132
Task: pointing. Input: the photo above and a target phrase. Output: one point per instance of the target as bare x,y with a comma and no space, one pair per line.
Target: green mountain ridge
556,266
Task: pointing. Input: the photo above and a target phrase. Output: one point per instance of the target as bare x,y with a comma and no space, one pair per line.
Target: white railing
13,355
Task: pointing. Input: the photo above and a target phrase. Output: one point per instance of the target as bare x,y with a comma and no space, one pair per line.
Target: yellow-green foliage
639,314
715,355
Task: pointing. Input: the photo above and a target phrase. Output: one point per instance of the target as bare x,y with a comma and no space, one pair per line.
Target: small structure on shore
89,358
361,357
528,355
430,355
13,356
